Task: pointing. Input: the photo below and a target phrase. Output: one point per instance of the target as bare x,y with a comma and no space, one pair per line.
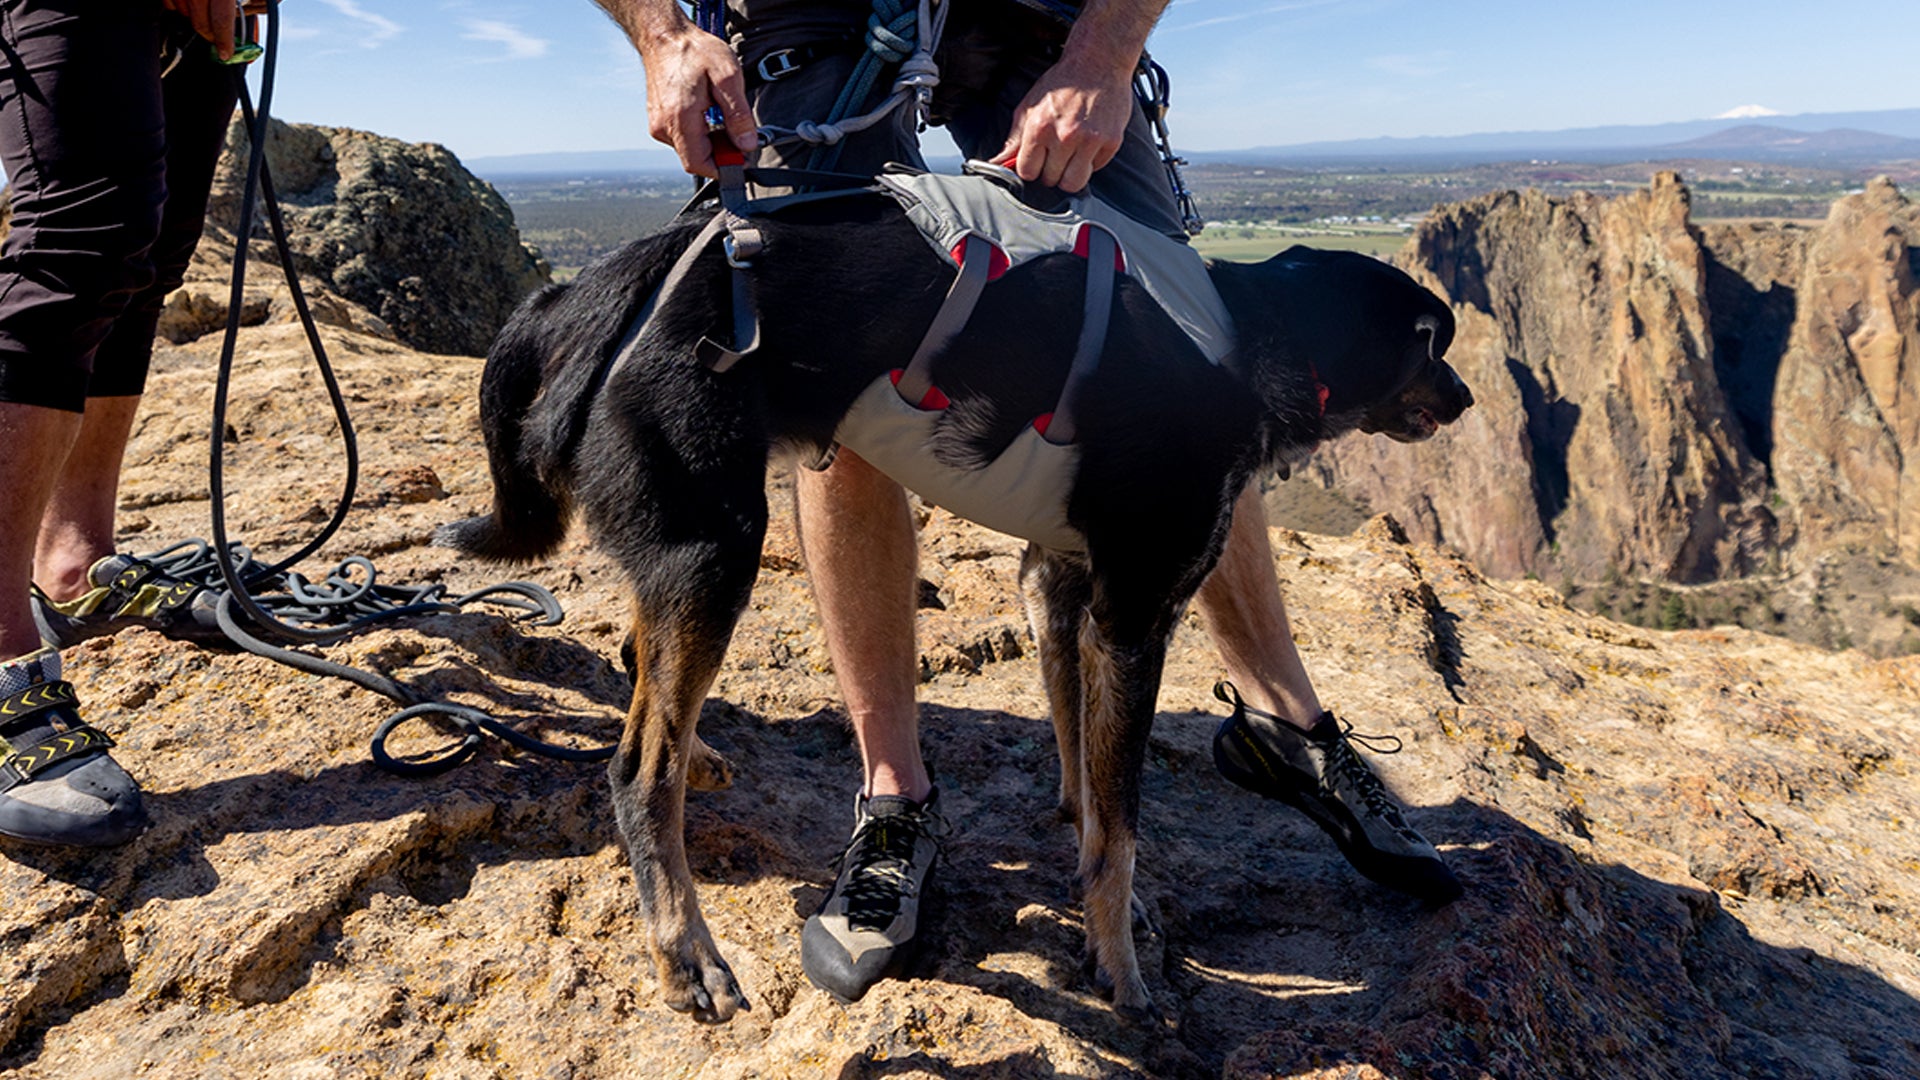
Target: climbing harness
264,609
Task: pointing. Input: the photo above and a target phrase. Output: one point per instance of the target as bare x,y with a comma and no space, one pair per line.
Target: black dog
668,461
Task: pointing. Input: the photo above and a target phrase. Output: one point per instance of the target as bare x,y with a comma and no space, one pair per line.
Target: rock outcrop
402,230
1686,854
1669,402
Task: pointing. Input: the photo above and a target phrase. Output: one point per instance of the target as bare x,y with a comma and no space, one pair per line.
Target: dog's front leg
1120,678
675,665
1057,588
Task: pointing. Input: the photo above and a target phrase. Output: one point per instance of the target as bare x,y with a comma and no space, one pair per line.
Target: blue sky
489,77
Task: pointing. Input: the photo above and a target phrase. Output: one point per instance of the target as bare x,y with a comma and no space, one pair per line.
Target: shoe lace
879,862
1344,768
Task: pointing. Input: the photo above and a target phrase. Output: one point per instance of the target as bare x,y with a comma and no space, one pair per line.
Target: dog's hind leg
687,599
1057,588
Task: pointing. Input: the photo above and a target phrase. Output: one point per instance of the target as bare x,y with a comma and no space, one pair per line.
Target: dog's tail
531,503
542,376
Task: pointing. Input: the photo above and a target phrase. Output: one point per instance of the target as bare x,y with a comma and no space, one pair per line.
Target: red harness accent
997,261
932,401
1081,244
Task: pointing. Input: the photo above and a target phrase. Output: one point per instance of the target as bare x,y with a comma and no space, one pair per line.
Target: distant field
1256,211
1239,243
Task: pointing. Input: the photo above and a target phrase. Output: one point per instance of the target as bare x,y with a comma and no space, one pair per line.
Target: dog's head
1373,339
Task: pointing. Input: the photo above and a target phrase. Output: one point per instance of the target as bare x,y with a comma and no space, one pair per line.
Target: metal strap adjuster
777,65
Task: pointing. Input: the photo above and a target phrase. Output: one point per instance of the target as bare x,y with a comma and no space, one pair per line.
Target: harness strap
746,329
1098,308
976,258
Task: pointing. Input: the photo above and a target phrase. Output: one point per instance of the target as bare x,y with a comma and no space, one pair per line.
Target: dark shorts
110,169
987,61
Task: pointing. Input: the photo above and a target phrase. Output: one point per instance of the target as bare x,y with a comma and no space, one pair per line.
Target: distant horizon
493,78
1675,134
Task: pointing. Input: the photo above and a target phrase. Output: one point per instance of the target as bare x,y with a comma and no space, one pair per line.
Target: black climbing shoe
865,930
57,783
126,590
1318,773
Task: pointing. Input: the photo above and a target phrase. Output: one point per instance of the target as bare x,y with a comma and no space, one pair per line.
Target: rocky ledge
1686,854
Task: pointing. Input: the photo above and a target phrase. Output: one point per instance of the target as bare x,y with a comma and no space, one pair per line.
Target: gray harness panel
1024,491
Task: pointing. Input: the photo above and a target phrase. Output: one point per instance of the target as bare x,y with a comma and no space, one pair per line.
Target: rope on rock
265,609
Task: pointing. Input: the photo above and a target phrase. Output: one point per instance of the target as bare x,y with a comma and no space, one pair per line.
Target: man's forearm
646,20
1110,35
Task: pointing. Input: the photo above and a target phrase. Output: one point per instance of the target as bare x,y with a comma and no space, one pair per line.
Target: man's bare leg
83,800
1244,612
76,530
1274,745
857,536
34,443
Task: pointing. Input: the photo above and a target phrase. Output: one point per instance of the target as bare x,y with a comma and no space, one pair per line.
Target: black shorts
990,55
110,168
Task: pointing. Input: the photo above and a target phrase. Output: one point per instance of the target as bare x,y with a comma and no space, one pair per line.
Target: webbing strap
975,256
746,329
1093,335
630,340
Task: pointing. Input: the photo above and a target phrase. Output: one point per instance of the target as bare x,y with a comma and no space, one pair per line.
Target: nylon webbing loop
976,257
1095,314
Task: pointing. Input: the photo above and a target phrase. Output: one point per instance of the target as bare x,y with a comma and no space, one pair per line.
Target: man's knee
96,239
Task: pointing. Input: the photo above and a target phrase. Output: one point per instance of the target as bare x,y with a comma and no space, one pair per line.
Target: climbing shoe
864,930
1318,773
57,783
126,590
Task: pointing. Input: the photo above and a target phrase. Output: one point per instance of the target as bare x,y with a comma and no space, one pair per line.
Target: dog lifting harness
977,224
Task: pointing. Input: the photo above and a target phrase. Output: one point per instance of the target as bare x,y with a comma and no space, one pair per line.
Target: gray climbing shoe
865,930
57,783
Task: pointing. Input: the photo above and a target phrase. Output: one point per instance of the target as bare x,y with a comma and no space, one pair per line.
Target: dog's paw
1128,995
703,985
706,769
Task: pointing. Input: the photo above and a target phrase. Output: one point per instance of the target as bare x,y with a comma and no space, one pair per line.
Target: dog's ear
1361,327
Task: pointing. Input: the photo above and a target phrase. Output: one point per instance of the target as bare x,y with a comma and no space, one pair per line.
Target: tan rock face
1847,425
1606,441
1662,400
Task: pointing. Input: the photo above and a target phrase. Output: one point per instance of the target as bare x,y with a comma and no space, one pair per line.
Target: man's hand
687,72
1070,124
1074,119
211,19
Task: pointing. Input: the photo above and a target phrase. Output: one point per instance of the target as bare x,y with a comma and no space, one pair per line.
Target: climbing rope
262,609
902,32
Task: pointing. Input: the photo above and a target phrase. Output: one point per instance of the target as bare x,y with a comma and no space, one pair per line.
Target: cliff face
1666,401
401,230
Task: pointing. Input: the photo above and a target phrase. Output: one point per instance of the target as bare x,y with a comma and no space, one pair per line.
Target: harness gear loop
899,32
1153,90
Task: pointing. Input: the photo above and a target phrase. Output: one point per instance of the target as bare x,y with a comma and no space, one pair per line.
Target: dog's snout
1460,389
